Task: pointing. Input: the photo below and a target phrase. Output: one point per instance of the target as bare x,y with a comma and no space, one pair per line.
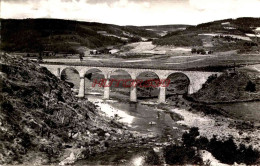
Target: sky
132,12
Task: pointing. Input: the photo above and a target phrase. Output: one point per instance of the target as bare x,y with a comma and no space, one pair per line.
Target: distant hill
222,35
33,35
67,36
164,29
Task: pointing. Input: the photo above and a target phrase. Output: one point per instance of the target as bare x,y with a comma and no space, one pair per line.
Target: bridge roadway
196,78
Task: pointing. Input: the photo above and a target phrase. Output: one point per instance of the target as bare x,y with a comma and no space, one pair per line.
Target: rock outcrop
40,119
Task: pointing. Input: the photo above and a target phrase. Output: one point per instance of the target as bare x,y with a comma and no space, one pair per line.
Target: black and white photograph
130,82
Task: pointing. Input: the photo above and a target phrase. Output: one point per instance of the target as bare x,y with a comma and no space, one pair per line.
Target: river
149,119
144,118
248,111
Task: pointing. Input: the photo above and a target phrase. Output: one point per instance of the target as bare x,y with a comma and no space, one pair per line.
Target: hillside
34,35
41,121
67,36
164,29
231,34
234,87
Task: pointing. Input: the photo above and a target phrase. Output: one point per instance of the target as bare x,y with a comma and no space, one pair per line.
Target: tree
250,86
81,55
210,52
203,52
39,58
193,50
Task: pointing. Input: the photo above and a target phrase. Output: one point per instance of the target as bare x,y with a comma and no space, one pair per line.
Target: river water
249,111
144,118
147,118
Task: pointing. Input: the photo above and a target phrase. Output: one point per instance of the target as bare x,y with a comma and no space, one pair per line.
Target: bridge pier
58,73
82,87
133,94
133,89
162,95
190,89
106,90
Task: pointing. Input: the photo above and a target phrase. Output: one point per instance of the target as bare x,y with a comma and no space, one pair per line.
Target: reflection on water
148,119
244,110
133,107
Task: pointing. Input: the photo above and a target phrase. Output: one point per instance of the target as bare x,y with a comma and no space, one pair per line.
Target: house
113,51
48,53
102,32
93,52
225,23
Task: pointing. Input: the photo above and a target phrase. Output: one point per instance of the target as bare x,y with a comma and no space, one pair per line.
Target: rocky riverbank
41,122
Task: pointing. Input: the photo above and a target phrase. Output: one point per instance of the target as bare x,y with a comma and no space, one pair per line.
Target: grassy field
215,62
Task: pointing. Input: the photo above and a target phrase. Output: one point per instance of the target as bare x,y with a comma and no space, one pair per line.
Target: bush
189,138
185,154
228,152
211,78
152,158
210,52
250,87
224,151
201,51
180,155
193,50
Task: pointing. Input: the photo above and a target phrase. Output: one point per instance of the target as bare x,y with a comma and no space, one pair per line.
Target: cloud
221,9
135,1
132,12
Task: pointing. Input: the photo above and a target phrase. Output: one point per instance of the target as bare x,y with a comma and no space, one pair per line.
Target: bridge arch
179,83
147,71
145,89
120,81
94,75
71,76
93,70
84,71
62,70
120,70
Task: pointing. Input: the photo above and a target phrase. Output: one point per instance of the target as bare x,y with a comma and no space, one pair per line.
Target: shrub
250,87
193,50
228,152
180,155
152,158
189,138
225,151
201,51
185,154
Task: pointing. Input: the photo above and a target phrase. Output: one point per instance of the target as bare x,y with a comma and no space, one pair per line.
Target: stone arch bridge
196,78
